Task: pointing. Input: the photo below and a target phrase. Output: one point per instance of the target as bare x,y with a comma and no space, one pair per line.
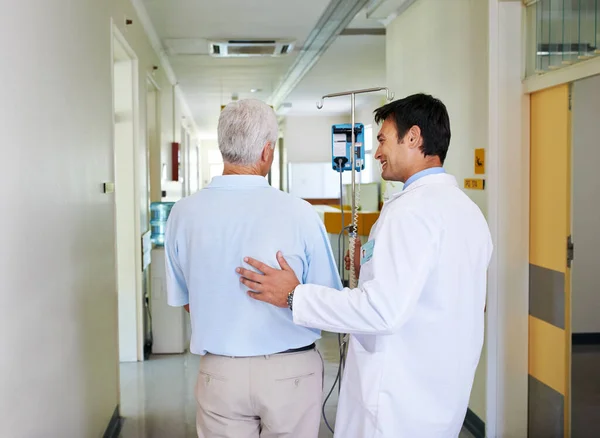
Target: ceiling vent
247,48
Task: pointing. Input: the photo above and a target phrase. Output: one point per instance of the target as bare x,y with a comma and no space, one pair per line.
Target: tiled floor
585,409
157,396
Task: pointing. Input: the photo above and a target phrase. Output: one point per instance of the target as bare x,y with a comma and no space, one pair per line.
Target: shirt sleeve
403,257
177,292
322,268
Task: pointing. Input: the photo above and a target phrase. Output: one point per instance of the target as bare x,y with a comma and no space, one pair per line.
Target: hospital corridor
158,401
300,219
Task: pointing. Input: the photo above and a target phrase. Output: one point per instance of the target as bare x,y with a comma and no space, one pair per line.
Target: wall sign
479,161
474,184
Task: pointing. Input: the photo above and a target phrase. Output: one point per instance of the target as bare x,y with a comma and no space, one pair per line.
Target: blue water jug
159,213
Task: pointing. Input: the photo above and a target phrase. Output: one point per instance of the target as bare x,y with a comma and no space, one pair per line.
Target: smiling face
424,128
398,158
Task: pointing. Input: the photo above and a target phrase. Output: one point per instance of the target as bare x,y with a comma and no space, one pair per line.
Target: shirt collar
421,174
238,181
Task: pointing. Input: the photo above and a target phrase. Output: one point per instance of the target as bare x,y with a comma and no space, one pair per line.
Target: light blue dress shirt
207,237
421,174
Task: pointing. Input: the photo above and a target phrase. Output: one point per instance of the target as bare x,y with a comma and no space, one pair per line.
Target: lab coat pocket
365,375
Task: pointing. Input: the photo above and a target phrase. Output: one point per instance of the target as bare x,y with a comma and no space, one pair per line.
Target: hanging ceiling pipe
334,20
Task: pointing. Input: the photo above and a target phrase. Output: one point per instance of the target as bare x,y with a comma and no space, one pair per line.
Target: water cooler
169,324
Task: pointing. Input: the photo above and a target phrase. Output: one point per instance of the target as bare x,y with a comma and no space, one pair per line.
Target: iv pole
352,94
353,280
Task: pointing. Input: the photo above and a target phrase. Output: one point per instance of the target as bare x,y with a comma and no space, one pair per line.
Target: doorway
585,352
127,211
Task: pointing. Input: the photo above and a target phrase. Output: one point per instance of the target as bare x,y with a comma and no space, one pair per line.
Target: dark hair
426,112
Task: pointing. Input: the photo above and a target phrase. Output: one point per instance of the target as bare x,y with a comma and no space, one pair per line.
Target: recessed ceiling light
255,90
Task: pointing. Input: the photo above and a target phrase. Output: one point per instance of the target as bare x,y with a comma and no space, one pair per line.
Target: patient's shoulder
293,206
300,204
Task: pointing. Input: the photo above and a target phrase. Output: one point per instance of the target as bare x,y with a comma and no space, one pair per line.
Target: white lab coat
416,318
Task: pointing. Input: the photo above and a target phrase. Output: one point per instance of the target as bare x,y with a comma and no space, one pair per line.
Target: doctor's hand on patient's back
356,258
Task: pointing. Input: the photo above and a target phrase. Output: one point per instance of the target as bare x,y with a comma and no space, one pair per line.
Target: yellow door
549,285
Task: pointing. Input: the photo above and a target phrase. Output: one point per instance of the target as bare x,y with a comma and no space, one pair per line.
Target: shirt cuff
298,302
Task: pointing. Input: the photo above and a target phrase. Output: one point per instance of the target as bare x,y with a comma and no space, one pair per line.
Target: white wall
308,138
440,48
586,206
58,301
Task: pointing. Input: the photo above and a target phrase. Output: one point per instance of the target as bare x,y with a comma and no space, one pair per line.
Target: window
561,33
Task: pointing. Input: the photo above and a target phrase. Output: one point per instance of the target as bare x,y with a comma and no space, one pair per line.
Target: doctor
417,316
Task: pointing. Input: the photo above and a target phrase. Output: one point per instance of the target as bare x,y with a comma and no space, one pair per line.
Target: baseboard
114,427
474,424
586,338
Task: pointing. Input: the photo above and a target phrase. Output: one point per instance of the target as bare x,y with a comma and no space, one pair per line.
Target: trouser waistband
299,350
290,351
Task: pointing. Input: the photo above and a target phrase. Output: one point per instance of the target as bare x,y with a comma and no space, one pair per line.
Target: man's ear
413,137
267,152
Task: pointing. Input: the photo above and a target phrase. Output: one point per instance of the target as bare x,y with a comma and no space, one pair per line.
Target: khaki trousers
265,396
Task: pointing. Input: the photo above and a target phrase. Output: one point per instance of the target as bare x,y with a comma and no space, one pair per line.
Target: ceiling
351,63
186,26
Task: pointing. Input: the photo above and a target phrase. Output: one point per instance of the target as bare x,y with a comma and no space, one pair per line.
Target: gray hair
245,127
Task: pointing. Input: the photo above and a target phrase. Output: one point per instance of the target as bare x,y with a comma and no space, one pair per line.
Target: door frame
117,37
154,145
565,75
508,218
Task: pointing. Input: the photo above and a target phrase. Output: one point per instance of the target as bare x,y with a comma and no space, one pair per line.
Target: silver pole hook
389,95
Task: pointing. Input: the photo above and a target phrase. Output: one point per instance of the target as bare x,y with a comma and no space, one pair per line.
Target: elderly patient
260,374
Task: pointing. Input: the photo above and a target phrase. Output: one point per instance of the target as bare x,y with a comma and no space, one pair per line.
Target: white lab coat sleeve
404,254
